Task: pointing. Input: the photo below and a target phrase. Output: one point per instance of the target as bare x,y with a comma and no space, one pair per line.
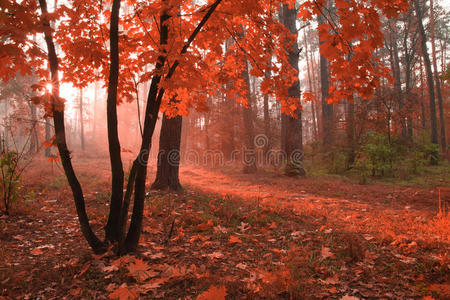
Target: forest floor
261,236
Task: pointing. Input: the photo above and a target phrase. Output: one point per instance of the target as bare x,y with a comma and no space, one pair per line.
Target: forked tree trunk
154,98
169,155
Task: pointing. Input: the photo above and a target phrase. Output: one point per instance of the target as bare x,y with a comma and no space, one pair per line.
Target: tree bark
169,155
81,120
58,117
327,109
112,227
310,86
154,98
427,63
293,138
438,82
249,157
267,75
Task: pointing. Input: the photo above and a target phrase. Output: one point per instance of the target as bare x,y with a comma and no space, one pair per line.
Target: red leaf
213,293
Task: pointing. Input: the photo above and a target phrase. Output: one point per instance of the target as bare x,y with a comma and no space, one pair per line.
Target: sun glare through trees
224,149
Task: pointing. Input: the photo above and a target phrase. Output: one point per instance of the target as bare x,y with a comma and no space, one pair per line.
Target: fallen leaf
140,270
123,293
234,240
326,253
153,284
205,225
348,297
75,292
216,254
109,269
213,293
220,229
243,227
331,280
157,255
37,251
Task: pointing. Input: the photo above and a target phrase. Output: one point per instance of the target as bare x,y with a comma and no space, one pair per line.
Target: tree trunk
438,82
34,139
58,117
249,158
293,138
310,86
327,109
94,125
169,155
267,146
350,120
422,96
47,137
427,63
154,98
112,227
81,120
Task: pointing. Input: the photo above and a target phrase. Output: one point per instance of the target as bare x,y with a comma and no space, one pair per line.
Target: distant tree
429,73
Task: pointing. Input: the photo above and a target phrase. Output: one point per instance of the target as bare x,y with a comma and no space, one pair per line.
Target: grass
426,176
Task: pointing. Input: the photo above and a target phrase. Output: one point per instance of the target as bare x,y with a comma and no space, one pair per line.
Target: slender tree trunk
58,117
155,94
34,140
267,75
427,63
112,227
397,79
81,120
293,138
310,86
94,126
351,132
47,136
169,154
327,109
422,96
249,158
438,82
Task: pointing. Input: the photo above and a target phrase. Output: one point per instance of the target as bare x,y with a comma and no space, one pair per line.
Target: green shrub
379,156
10,177
336,160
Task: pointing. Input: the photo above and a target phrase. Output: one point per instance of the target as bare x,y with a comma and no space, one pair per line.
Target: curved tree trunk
58,117
112,226
154,98
169,155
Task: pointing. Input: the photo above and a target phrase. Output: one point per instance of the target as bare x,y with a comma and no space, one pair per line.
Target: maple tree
180,61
